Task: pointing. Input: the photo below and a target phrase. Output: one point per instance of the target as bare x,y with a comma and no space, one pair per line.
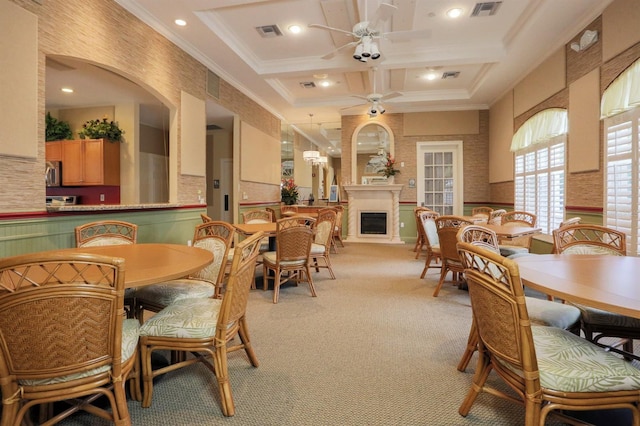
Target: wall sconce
588,39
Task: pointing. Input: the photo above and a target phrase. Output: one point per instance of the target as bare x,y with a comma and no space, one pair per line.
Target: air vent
307,84
450,74
488,8
213,84
268,31
213,127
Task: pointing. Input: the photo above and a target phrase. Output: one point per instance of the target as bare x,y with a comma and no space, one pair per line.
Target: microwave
52,174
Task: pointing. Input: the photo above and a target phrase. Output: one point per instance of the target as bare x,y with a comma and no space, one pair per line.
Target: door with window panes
439,180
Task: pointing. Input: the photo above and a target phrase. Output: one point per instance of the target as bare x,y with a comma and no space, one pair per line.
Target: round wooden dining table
152,263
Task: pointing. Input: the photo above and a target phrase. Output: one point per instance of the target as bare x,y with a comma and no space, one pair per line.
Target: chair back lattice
495,218
273,213
288,209
479,236
448,227
241,277
108,232
217,237
256,216
60,315
568,222
324,227
482,211
205,218
294,221
499,309
520,218
589,239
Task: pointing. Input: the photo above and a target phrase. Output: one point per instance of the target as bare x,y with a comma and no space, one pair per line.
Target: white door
439,180
226,193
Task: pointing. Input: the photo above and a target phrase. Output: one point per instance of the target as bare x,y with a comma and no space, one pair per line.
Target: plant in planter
101,129
288,192
57,130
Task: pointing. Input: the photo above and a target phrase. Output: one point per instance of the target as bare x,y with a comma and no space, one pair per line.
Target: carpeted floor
374,348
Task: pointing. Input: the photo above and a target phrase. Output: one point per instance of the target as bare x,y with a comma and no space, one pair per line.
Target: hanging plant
57,130
101,129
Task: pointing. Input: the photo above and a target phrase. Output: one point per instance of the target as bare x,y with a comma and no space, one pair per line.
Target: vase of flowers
388,170
101,129
288,192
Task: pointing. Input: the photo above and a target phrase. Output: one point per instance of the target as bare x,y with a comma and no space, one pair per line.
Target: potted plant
389,171
289,192
101,129
56,130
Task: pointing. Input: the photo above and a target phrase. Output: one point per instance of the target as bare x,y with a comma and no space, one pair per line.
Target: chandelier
313,157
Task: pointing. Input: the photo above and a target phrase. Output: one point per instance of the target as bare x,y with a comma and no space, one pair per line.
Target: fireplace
374,214
373,223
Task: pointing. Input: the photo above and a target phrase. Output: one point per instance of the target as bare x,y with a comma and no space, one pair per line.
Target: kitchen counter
110,207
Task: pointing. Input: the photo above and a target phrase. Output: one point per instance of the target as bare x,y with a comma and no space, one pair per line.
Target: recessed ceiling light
325,83
454,13
180,22
431,75
67,90
295,28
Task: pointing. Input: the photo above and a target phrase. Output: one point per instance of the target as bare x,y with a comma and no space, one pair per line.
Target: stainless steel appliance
62,200
52,174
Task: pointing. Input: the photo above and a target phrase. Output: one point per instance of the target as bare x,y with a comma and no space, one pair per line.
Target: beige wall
92,30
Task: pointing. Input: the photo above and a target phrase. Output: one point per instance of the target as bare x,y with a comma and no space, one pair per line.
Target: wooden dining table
151,263
600,281
509,232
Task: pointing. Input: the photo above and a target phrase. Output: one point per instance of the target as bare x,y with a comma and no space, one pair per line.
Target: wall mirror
370,144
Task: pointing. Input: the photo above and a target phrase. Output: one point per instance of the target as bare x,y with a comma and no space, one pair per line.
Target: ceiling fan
367,33
374,99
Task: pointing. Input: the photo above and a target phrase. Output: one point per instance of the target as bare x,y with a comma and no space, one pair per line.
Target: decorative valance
623,93
541,127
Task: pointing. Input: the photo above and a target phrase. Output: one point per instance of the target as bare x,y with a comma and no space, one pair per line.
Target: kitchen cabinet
53,151
90,162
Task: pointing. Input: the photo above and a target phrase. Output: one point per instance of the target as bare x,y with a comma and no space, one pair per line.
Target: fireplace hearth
374,214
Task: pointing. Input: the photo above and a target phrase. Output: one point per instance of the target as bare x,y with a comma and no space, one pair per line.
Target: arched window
619,108
539,146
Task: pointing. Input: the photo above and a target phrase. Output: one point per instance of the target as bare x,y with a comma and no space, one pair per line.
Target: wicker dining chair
548,368
484,212
321,246
573,221
256,216
448,227
337,229
288,210
273,213
205,218
427,223
215,236
495,218
541,312
597,324
420,240
205,328
518,245
108,233
291,260
63,336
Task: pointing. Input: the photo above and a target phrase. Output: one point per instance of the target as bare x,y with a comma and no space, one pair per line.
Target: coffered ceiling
475,57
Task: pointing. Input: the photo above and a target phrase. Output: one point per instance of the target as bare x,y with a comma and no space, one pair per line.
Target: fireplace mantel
374,198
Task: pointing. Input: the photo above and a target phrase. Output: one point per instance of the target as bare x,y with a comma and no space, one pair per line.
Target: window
621,177
539,147
539,182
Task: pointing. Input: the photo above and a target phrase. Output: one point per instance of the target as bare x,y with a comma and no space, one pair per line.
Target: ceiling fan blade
383,13
324,27
406,35
352,106
338,50
390,96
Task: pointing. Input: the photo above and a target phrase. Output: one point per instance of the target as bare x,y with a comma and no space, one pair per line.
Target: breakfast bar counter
84,208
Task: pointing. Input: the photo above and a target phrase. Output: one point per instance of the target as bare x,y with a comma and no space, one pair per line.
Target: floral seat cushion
170,291
568,363
186,318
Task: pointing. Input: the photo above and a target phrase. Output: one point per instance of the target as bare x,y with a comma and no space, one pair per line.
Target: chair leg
243,332
276,284
310,280
147,375
472,346
479,379
443,273
427,263
222,375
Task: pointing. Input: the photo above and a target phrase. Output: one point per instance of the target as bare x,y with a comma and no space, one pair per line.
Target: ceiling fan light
366,47
375,52
358,53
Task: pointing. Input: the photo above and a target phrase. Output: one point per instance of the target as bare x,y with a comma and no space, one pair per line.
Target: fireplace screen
373,223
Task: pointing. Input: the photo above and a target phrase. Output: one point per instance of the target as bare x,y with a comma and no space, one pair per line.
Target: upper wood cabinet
53,151
90,162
